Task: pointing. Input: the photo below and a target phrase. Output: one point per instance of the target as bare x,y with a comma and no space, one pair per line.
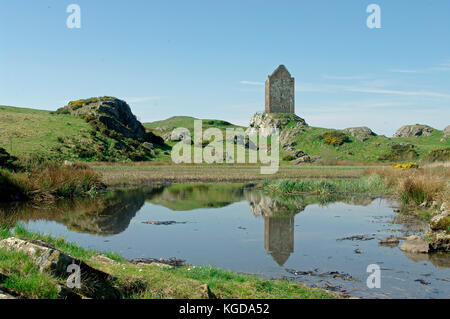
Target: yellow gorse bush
406,165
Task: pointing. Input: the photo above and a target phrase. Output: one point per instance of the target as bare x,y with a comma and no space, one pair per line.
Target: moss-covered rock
115,114
362,133
414,130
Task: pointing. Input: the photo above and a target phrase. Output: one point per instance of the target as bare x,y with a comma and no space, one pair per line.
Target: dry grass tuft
417,186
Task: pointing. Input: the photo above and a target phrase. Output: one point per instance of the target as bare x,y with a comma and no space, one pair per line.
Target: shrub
153,138
334,138
437,155
400,152
6,160
63,110
288,157
11,188
407,165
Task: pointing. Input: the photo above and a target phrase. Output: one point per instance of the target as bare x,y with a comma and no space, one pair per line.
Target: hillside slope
28,132
45,134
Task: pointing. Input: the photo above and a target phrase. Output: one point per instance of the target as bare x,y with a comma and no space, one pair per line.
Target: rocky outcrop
446,134
115,114
438,235
94,283
270,121
414,131
362,133
46,258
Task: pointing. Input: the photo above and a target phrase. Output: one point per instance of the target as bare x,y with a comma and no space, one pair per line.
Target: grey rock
362,133
446,132
415,244
440,221
47,259
303,159
439,240
266,123
5,295
115,114
414,131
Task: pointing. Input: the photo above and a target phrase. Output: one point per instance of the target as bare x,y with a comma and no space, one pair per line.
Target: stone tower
280,92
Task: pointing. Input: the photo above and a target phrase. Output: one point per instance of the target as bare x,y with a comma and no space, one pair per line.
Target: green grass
187,122
372,184
27,132
24,276
310,142
143,281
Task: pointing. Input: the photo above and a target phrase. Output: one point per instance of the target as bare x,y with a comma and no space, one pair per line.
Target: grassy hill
36,133
166,126
370,150
28,132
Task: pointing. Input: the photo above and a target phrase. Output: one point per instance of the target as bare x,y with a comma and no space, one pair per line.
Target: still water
246,230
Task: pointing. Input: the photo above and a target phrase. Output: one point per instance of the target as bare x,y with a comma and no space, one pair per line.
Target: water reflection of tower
279,237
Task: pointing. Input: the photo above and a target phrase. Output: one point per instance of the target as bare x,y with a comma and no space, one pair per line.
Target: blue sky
209,59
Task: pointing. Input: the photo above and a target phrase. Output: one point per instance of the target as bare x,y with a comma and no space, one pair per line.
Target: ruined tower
280,92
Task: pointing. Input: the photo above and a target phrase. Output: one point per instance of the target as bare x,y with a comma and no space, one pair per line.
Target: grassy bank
372,184
427,187
143,173
48,182
136,281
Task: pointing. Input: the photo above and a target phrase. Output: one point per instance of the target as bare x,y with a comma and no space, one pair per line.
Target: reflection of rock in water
279,237
113,219
105,215
264,205
439,259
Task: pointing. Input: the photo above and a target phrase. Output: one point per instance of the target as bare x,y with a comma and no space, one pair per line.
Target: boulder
441,221
446,132
439,240
414,131
115,114
362,133
415,244
302,159
5,295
